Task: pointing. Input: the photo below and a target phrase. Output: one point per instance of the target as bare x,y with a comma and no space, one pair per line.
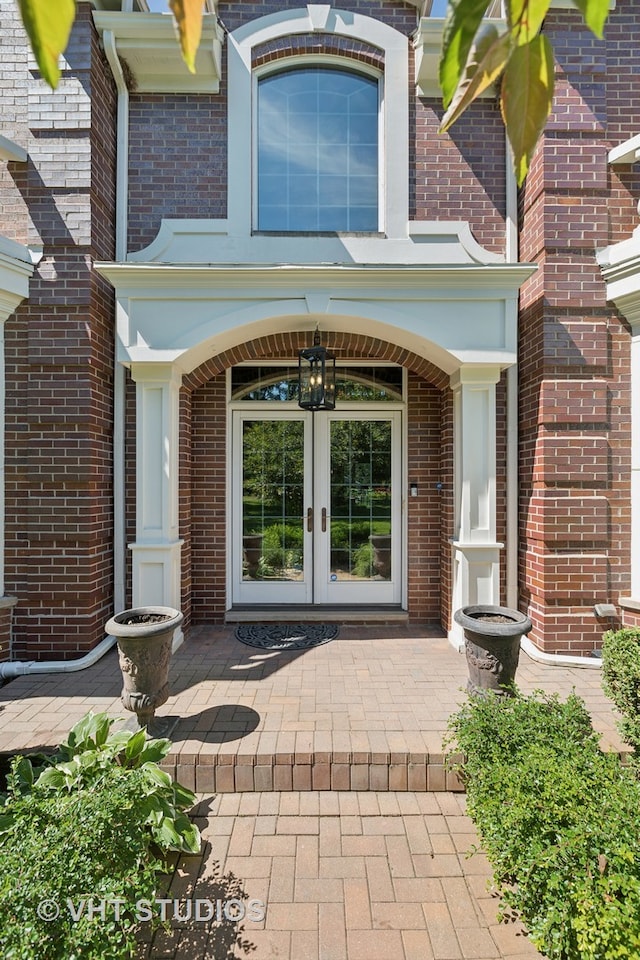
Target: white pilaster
16,268
475,551
156,551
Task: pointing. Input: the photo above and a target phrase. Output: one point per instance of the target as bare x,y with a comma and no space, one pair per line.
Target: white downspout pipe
122,221
18,668
511,534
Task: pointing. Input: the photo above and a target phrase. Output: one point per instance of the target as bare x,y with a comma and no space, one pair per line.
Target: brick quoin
574,352
59,367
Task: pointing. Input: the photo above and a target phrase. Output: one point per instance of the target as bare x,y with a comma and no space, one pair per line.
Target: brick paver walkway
338,876
320,772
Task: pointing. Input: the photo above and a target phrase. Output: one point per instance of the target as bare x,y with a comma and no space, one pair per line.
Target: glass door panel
358,469
272,565
360,500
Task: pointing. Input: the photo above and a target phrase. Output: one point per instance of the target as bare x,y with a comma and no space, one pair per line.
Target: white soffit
627,152
12,151
428,43
149,45
16,267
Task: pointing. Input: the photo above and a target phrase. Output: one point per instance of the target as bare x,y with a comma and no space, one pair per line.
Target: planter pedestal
492,645
145,636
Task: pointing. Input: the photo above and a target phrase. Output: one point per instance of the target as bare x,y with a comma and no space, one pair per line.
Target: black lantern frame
316,377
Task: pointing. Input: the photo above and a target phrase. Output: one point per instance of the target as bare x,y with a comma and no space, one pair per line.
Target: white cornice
468,281
428,45
620,265
627,152
16,268
148,42
12,151
425,243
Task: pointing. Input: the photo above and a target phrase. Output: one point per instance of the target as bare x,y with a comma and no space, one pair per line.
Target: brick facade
59,357
574,363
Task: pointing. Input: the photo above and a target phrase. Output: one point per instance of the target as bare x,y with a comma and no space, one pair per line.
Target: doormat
286,636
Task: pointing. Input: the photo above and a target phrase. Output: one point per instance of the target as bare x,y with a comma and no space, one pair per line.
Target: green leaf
48,24
155,750
188,14
526,99
52,778
7,821
103,725
487,59
156,776
22,771
595,13
463,20
135,746
183,797
525,18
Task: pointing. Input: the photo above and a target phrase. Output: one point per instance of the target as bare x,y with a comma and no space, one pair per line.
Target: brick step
238,773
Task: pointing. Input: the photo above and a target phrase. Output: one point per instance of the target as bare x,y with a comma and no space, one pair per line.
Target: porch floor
332,805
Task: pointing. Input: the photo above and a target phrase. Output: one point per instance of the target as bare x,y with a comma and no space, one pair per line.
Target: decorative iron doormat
286,636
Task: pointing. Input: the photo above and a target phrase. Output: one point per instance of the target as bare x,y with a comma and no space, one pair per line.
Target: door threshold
299,613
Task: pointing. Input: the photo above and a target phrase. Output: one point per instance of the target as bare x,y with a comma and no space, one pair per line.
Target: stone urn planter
252,549
492,645
145,636
381,544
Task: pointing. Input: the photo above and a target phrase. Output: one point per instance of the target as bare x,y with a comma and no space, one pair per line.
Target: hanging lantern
316,377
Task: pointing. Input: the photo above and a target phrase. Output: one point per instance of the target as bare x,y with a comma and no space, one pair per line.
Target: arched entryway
409,436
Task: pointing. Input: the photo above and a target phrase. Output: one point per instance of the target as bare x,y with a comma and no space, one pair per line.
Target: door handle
324,520
310,520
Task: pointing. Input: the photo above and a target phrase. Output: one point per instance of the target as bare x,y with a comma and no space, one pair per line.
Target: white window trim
394,153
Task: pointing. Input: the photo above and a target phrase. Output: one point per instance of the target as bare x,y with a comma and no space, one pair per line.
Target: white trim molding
395,108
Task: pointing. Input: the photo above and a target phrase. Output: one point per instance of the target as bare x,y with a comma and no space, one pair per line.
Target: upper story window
317,151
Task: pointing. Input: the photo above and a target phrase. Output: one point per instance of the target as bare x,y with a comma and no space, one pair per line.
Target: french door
316,507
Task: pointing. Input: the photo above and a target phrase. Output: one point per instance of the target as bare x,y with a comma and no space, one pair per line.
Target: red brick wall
574,355
178,162
59,350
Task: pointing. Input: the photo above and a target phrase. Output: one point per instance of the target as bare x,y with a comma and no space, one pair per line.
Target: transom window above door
317,151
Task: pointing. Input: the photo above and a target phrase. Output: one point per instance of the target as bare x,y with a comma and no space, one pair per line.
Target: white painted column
156,551
475,551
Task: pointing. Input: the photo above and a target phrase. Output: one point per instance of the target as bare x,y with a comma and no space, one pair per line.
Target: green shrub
621,681
559,820
282,547
363,561
86,832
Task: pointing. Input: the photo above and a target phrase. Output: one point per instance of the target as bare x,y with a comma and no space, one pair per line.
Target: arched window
317,151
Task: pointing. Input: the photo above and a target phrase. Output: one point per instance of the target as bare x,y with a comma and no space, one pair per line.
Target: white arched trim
395,120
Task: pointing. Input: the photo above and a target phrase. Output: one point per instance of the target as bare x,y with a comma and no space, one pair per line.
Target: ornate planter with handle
145,636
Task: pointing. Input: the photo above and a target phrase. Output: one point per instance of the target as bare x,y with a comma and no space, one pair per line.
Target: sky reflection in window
318,151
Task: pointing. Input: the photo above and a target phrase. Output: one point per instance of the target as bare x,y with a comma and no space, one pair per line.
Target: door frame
364,411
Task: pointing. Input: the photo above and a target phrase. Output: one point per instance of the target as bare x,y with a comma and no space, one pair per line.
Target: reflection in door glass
272,499
360,500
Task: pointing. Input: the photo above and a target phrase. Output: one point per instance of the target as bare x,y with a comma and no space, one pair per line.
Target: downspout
511,535
512,505
122,200
17,668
